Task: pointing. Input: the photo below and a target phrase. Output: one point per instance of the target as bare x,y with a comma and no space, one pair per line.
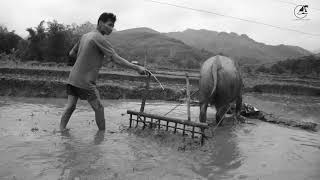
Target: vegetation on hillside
51,41
240,47
8,40
307,65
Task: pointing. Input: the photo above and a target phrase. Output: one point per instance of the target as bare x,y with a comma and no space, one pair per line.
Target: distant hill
161,50
317,51
240,47
133,44
139,30
190,47
307,65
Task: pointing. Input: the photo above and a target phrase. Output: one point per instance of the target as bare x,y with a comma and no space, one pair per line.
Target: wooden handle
145,94
188,96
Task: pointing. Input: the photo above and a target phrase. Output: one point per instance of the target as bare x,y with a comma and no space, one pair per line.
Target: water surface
33,148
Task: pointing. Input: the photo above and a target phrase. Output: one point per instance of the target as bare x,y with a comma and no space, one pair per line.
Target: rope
220,120
180,103
155,78
172,109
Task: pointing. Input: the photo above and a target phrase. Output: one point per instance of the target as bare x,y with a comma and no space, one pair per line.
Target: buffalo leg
238,109
203,112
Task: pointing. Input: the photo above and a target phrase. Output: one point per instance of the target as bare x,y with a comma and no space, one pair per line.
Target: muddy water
32,148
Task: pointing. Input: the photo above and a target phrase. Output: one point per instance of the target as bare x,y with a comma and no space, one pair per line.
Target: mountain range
158,49
189,48
240,47
317,51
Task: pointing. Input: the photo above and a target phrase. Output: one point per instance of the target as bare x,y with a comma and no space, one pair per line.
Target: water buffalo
220,84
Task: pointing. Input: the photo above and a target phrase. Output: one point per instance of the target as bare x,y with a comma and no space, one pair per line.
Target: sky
20,14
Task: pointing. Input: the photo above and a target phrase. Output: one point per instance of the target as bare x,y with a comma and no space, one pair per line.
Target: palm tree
35,41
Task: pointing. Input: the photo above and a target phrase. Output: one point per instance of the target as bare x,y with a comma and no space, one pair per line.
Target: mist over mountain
317,51
240,47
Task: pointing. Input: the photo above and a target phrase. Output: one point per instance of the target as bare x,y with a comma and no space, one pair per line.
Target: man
90,52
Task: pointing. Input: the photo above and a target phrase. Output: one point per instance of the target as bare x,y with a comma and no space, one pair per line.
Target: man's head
106,23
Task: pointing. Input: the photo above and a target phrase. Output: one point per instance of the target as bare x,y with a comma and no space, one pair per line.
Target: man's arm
121,61
74,50
105,47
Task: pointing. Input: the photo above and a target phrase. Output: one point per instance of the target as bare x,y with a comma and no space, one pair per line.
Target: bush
8,40
306,66
277,69
262,69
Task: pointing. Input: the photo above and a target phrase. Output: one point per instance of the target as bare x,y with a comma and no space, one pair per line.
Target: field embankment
49,82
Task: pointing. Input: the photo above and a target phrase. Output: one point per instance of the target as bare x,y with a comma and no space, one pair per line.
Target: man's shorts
83,94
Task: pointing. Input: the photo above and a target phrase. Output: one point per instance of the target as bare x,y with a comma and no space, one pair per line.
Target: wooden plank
138,117
193,131
175,120
146,93
130,120
144,122
151,123
175,127
159,123
188,96
184,129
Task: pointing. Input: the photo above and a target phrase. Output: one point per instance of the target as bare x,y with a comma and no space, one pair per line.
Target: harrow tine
187,127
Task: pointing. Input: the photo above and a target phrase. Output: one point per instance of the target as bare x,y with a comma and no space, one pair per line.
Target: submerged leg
99,113
98,110
70,107
203,117
237,115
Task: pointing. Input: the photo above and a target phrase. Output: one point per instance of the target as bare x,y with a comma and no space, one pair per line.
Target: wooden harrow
186,127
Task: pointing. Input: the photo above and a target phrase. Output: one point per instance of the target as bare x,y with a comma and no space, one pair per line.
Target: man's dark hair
104,17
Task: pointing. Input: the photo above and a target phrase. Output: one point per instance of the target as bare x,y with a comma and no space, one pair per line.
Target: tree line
48,41
307,65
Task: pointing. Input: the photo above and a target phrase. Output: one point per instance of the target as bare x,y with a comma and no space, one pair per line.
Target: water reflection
99,137
77,156
223,154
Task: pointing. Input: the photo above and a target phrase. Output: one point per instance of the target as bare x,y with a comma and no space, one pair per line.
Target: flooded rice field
31,147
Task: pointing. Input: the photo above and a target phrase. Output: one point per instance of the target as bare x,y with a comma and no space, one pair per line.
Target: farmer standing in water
90,52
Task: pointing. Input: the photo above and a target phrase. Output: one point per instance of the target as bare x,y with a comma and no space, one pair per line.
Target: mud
250,112
33,149
112,75
270,118
113,89
21,82
44,88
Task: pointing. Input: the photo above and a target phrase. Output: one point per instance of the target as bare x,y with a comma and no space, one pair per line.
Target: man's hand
142,71
71,59
72,54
